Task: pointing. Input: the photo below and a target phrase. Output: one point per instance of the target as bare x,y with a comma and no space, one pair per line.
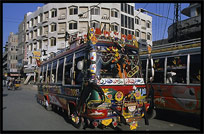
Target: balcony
105,18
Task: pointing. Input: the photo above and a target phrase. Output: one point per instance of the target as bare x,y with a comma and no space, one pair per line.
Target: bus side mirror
80,65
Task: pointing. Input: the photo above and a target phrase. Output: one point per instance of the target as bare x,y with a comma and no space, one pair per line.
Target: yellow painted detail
133,126
117,97
106,122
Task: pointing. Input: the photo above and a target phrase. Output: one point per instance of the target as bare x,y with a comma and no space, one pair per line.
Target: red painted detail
90,113
115,123
124,89
95,124
177,97
47,98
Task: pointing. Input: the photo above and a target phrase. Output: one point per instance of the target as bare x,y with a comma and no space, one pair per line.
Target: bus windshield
113,62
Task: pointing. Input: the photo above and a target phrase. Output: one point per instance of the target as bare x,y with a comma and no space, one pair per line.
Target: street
22,112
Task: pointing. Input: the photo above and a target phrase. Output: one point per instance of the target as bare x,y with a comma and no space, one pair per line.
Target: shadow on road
4,95
182,118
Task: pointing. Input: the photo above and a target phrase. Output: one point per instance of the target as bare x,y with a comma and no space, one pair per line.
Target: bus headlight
119,96
131,108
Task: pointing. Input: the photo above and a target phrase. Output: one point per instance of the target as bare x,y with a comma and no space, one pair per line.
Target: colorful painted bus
98,81
177,80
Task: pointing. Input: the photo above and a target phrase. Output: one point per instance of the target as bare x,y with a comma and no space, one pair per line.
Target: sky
13,14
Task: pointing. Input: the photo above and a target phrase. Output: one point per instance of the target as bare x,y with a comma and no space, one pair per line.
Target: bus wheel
151,114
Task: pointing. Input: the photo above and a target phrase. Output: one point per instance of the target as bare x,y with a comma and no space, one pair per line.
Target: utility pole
177,21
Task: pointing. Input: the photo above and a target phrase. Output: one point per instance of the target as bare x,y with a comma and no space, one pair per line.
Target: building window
53,13
128,9
35,46
40,31
73,10
126,21
36,21
148,24
129,23
40,44
53,41
45,29
137,20
148,36
122,30
125,7
46,16
137,32
73,25
105,26
125,31
122,9
122,20
114,13
95,11
31,22
95,24
31,34
53,27
132,10
30,60
114,27
41,17
132,23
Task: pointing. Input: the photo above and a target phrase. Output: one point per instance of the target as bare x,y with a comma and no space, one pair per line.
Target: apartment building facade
12,48
46,27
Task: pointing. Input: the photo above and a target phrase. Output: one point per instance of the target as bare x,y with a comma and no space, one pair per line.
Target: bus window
78,73
176,69
60,70
44,72
144,63
159,70
195,68
48,73
54,66
68,66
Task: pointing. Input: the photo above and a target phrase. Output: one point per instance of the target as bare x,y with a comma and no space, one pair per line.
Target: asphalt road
22,112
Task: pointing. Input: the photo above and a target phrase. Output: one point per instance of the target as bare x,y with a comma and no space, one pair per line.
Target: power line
166,22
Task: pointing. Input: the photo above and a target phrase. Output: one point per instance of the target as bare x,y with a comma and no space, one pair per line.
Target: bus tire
151,114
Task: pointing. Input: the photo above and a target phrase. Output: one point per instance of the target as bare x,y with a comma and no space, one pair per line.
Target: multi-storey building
21,47
12,55
46,27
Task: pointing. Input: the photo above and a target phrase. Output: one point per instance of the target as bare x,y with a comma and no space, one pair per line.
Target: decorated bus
97,81
177,80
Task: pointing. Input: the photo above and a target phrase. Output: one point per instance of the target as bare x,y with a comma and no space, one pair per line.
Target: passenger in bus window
170,78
